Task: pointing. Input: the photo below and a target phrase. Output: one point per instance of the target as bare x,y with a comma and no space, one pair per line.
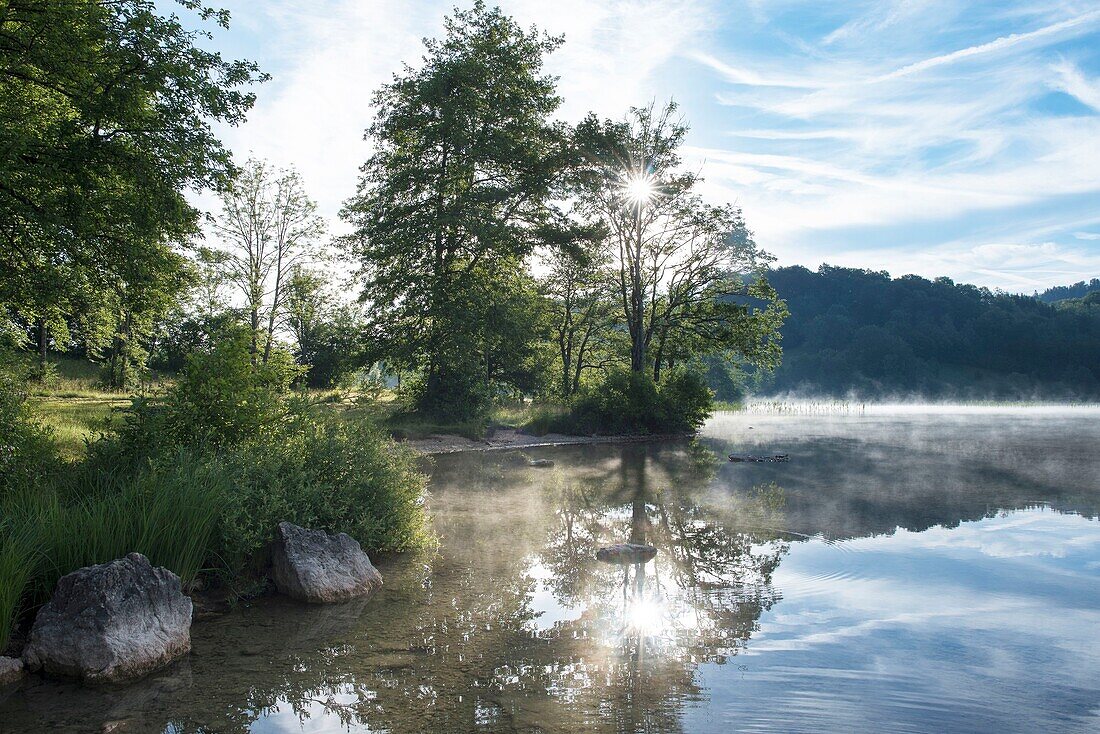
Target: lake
909,570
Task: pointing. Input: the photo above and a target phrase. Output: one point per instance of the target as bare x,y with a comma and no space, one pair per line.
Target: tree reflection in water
511,625
650,625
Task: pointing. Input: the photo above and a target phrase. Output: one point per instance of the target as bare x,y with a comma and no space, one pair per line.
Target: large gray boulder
313,566
111,622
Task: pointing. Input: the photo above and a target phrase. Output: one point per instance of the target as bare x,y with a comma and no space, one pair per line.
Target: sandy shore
510,438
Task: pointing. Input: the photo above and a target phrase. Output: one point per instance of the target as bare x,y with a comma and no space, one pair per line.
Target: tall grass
20,556
169,514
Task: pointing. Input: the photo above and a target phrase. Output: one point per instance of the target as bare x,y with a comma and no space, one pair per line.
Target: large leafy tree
105,120
687,276
454,199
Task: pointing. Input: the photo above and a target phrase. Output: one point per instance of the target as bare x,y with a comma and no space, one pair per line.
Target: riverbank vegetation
176,382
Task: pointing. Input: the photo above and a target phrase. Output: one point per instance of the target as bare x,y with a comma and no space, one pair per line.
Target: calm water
905,571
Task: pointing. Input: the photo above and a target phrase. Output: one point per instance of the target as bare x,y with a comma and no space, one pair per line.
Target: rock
111,622
540,462
626,553
313,566
746,458
11,670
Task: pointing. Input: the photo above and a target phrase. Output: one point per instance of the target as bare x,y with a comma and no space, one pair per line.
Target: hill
1062,292
863,333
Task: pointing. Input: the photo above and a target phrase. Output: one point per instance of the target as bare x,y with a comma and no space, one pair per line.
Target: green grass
20,557
75,420
168,514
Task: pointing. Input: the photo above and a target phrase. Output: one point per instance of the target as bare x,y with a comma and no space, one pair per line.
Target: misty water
907,570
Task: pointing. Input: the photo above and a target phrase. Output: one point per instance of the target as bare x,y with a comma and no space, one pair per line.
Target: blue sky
936,137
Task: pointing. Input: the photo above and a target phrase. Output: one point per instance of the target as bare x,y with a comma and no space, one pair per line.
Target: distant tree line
1080,289
865,333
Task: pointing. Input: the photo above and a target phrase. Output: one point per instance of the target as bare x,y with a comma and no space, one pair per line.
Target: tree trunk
255,347
659,357
274,302
43,340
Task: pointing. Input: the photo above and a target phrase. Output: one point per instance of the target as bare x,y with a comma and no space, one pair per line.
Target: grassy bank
196,480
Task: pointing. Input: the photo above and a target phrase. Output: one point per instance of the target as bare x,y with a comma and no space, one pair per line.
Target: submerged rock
626,553
11,670
111,622
748,458
540,462
313,566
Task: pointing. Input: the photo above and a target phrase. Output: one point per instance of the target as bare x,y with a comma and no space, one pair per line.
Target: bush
198,483
222,397
320,472
28,454
687,401
457,394
632,403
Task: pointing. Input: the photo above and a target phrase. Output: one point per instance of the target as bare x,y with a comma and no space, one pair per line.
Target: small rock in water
626,553
11,670
313,566
540,462
111,622
773,458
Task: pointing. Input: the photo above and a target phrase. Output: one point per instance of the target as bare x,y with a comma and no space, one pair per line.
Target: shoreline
511,438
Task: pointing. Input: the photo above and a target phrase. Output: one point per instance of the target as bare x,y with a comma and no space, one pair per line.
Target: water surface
906,571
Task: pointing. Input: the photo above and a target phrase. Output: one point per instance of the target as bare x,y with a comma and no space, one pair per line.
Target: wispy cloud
1077,24
904,135
1071,81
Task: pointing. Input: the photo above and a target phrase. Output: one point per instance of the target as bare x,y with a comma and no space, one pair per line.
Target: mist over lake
646,367
910,569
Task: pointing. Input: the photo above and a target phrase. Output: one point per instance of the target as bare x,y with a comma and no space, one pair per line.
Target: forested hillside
1079,289
864,333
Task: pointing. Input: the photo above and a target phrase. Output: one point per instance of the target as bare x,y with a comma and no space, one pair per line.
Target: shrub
28,454
632,403
320,472
222,397
686,399
199,482
457,394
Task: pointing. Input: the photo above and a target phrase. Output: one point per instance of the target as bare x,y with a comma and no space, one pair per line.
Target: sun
638,188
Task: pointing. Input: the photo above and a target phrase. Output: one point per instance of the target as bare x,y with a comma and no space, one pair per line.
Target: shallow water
906,571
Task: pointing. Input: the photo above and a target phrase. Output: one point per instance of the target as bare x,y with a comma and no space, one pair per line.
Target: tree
267,225
327,335
582,310
678,264
455,197
105,119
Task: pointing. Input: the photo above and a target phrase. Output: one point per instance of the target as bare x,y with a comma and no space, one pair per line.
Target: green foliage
222,397
863,333
320,472
1080,289
687,277
19,562
28,454
328,338
106,110
686,400
628,402
455,197
167,512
